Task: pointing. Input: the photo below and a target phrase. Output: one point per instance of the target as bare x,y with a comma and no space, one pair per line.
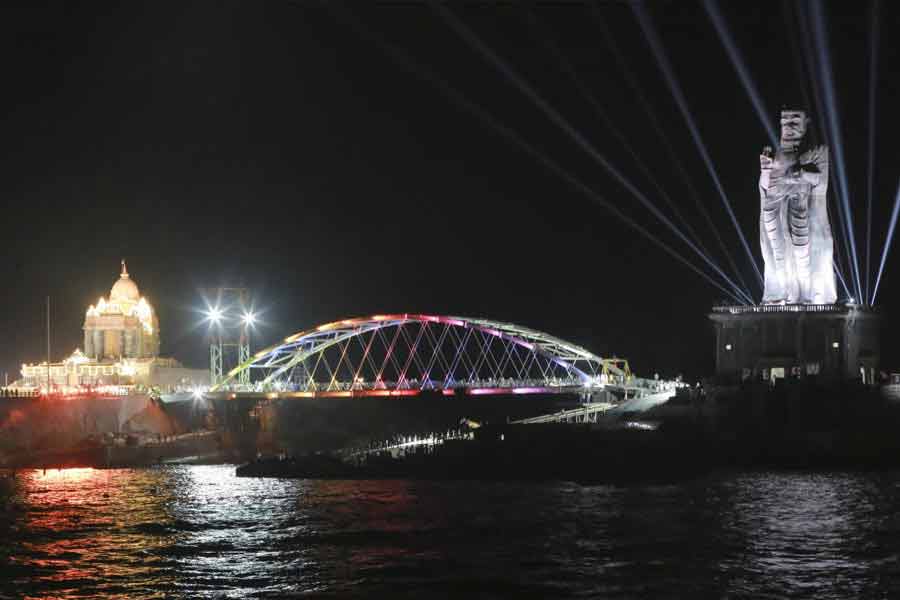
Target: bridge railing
586,413
19,393
630,387
403,444
413,384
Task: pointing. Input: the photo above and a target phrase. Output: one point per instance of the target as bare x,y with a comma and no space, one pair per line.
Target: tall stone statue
795,233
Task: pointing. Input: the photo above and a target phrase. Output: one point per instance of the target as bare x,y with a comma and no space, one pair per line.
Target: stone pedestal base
773,341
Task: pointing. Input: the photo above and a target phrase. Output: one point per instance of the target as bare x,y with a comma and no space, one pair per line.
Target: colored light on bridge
383,393
323,345
347,394
508,390
487,391
397,317
442,319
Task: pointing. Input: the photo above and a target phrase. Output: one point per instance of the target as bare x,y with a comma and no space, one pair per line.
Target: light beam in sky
649,111
718,21
475,42
887,243
678,95
832,122
870,171
405,60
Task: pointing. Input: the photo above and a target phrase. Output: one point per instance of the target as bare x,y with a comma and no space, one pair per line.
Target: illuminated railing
587,413
13,394
787,308
630,386
404,444
411,384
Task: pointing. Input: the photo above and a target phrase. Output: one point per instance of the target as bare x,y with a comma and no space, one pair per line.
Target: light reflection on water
200,532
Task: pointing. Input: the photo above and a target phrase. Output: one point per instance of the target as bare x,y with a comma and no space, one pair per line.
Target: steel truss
229,342
413,352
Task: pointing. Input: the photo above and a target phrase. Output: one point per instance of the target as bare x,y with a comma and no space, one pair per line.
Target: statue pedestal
827,341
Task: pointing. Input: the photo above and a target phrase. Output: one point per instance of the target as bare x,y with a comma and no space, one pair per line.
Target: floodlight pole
232,331
215,361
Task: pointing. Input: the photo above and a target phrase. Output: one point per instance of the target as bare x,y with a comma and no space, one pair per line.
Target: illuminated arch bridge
405,354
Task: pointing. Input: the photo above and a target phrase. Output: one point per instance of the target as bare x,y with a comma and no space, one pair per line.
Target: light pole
230,320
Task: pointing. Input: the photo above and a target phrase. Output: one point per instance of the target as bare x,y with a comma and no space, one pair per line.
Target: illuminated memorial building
125,327
121,347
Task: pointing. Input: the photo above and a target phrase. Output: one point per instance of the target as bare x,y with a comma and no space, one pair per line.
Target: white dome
124,289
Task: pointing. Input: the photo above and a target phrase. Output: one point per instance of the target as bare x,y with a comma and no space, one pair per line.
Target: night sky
277,145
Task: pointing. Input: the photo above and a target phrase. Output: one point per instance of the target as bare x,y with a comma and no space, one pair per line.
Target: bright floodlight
214,315
249,319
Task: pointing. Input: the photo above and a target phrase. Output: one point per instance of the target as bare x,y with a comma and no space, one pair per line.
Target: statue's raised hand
766,160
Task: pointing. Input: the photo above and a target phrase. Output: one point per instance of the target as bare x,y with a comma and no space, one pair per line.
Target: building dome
124,290
125,326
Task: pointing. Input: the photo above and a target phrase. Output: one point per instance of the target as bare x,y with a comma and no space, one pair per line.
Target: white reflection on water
201,532
803,531
232,533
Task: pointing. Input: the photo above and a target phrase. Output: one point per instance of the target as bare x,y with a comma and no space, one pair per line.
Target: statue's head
793,124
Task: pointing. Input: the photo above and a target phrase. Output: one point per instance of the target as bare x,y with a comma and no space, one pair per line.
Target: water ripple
200,532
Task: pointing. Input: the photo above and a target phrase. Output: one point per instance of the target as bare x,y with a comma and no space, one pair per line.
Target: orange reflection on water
82,527
74,474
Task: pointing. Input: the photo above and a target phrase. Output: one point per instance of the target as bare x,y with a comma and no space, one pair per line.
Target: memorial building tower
124,326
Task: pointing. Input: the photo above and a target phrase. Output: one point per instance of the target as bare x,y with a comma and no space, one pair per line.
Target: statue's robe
795,232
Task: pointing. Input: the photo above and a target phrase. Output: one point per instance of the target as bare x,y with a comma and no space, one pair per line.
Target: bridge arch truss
404,354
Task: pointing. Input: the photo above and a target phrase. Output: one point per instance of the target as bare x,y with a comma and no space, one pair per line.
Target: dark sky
275,145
